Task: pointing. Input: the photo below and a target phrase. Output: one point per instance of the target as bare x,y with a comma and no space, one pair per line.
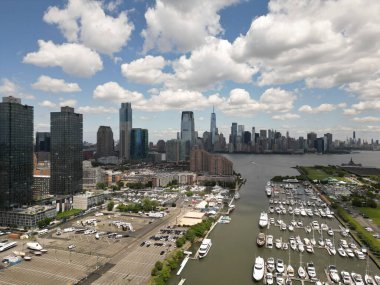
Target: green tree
101,185
110,206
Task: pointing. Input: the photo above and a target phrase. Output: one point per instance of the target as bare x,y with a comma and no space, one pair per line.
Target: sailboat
289,268
301,269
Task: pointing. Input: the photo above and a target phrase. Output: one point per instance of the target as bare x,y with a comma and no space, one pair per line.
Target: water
234,247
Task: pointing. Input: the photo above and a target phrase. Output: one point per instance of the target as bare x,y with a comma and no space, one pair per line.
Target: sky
289,65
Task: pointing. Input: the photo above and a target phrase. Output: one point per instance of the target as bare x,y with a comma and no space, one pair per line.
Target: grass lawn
316,174
372,213
68,213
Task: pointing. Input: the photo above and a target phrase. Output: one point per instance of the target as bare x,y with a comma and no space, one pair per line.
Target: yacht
357,278
34,246
333,273
268,190
301,272
342,252
369,280
359,254
346,278
269,278
311,270
349,252
260,239
330,232
278,243
270,264
279,279
258,269
280,266
269,241
263,222
204,248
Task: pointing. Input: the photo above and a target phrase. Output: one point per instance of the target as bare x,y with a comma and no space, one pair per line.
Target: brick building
203,162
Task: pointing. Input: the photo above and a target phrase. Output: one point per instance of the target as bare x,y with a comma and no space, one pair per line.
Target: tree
110,206
356,202
101,185
43,223
120,184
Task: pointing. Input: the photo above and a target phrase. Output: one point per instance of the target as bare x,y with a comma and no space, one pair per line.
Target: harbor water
234,248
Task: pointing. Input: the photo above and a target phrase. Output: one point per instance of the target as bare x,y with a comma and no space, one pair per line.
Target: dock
182,281
183,264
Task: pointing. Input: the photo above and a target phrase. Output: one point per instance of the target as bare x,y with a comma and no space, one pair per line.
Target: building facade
66,152
125,114
203,162
87,200
16,153
104,142
213,129
42,141
28,217
41,187
139,144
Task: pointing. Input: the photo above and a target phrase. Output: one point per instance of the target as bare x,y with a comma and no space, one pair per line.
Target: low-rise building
87,200
26,217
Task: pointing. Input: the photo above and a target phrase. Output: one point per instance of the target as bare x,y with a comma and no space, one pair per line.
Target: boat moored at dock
204,248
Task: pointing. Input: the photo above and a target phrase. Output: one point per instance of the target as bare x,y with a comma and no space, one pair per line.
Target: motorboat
377,279
313,242
290,228
301,247
258,269
269,241
280,266
315,225
346,278
270,264
285,246
324,227
204,248
311,270
271,209
269,191
333,273
349,252
357,278
288,280
369,280
283,226
308,229
279,279
34,246
263,222
309,248
330,232
331,249
278,243
269,278
260,239
321,242
359,254
342,252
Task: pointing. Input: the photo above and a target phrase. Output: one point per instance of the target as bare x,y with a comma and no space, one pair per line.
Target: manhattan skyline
296,66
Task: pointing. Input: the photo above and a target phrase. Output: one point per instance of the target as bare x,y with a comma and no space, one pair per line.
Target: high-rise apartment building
43,141
187,127
16,153
66,129
213,128
125,113
104,142
139,143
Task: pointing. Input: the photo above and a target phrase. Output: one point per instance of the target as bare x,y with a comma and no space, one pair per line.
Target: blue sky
286,65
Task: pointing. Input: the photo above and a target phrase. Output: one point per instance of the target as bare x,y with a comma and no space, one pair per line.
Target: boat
349,252
269,241
280,266
27,258
34,246
346,278
377,279
301,247
285,246
7,245
342,252
359,254
369,280
237,196
290,271
205,247
311,270
258,269
301,272
333,273
308,229
278,243
331,250
309,248
269,278
357,278
260,239
290,228
268,190
270,264
263,222
330,232
283,226
288,281
279,279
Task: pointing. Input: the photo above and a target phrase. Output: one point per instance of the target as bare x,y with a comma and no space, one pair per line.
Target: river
234,249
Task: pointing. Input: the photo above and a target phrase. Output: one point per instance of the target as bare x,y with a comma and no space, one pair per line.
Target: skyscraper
104,142
16,153
66,129
139,143
234,132
43,141
125,113
213,128
187,127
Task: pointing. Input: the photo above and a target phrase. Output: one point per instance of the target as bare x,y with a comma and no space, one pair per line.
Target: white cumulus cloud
147,70
182,25
48,104
86,22
49,84
321,108
114,92
286,117
9,88
69,103
74,59
366,119
96,110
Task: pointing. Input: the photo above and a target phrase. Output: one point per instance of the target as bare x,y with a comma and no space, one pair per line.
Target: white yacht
34,246
268,190
357,278
369,280
333,272
205,247
258,269
263,222
269,279
311,270
346,278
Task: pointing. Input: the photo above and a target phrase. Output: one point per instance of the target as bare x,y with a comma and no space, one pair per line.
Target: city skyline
290,80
